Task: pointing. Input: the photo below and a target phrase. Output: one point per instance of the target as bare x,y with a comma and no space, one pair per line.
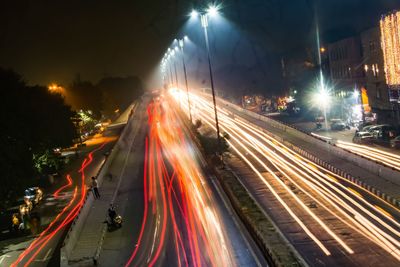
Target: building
345,57
347,78
375,81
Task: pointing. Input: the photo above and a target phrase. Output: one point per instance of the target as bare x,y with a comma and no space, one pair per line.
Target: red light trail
175,188
53,228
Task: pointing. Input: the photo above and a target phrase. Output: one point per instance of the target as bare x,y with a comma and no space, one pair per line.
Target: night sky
51,40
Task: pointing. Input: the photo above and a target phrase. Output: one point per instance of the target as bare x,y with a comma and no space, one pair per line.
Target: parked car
363,138
6,222
34,195
395,142
362,126
383,133
339,125
367,128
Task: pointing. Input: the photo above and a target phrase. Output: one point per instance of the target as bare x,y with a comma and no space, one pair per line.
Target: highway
57,209
343,139
330,221
174,213
386,158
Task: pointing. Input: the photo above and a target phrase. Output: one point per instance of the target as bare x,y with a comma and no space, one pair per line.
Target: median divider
272,243
276,249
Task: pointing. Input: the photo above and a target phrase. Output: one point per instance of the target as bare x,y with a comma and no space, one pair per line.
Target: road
174,214
329,221
58,208
386,156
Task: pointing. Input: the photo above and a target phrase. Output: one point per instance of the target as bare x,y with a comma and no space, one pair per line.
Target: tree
119,92
34,122
83,95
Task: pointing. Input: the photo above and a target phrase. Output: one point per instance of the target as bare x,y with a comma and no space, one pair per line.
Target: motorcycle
114,220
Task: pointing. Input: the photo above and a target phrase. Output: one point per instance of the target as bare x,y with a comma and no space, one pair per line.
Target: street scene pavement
60,205
200,133
173,212
328,219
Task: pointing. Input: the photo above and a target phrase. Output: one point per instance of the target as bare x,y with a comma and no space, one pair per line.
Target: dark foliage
33,122
119,92
108,95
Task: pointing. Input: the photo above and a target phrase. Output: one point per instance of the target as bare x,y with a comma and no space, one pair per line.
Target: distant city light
55,88
212,11
356,94
322,98
194,13
390,40
322,49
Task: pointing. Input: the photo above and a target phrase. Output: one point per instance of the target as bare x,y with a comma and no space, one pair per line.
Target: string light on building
390,40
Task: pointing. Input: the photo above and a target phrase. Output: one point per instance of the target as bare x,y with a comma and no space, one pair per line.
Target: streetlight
323,99
176,73
358,97
212,11
168,60
181,44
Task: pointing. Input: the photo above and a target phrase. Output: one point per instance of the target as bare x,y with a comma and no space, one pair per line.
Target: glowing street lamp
212,11
323,99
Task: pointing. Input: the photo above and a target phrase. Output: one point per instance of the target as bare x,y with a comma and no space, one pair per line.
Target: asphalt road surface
329,221
173,212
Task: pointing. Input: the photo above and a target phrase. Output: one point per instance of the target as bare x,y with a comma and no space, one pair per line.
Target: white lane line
46,257
3,257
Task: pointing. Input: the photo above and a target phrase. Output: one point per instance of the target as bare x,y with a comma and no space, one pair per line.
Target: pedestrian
95,189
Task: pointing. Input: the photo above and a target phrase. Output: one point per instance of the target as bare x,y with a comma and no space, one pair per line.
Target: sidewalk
90,237
386,186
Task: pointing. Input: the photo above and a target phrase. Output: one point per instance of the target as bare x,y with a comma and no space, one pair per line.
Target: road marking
383,211
313,166
354,192
332,178
46,257
3,257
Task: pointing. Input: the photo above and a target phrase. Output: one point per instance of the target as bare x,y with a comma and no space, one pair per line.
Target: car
395,142
34,195
339,125
362,126
367,128
6,222
383,134
363,138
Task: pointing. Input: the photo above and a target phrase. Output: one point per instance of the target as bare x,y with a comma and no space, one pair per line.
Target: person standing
95,188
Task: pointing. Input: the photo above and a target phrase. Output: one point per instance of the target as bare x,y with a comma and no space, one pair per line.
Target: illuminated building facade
390,41
390,44
375,81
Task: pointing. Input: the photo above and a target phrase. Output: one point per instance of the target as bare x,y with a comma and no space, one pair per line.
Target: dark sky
54,40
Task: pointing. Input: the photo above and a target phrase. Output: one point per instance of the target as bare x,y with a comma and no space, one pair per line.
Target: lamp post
181,44
212,11
176,73
324,99
358,96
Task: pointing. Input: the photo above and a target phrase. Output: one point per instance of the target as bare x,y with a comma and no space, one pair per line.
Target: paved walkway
93,229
